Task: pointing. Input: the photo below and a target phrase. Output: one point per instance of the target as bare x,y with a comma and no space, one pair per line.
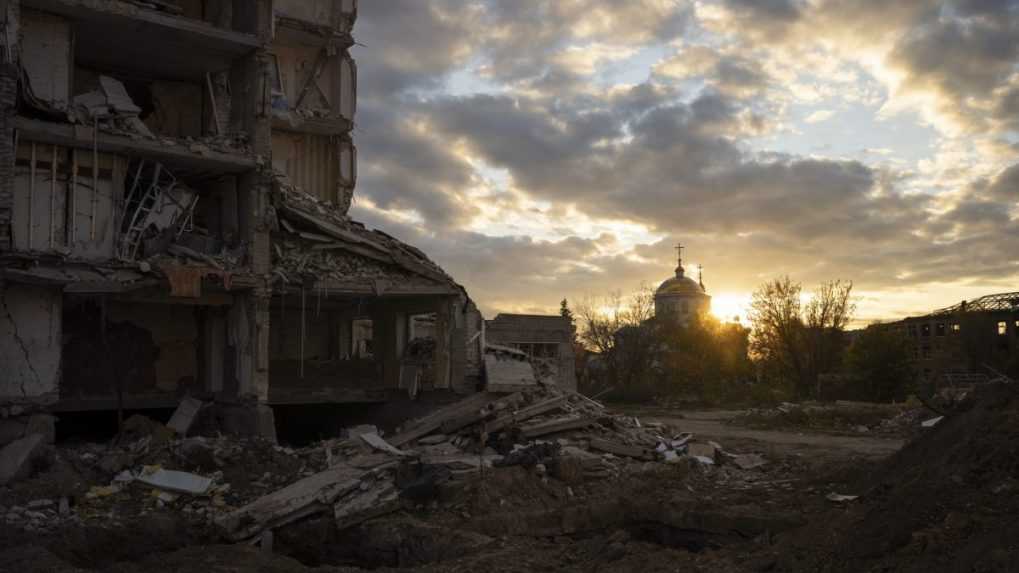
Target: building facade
547,340
174,186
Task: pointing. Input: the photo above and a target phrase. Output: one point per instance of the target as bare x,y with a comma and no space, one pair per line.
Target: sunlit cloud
548,150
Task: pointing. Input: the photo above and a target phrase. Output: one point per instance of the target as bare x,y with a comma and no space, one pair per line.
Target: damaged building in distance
547,340
965,343
173,218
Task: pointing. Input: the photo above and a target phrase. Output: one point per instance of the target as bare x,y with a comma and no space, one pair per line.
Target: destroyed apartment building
971,342
173,218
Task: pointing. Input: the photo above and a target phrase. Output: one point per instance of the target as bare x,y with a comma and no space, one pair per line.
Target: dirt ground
718,425
650,517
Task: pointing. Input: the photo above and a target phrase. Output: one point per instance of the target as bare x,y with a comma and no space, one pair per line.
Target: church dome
680,285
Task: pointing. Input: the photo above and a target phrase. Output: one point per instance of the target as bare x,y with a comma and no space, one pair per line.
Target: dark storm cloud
410,45
1005,185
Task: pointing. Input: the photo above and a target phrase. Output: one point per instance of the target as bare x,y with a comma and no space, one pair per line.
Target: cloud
544,141
730,73
819,116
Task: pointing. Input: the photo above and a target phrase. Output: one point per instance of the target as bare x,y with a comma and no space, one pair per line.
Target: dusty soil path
711,425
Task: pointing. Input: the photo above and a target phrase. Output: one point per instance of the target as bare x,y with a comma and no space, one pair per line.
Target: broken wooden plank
486,411
313,494
525,414
554,426
625,450
376,442
432,422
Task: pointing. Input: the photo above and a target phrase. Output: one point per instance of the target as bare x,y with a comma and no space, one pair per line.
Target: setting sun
730,306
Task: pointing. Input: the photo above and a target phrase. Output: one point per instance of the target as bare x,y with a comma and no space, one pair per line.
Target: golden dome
681,286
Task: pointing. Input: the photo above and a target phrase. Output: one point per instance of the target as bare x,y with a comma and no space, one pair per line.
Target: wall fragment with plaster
30,343
65,207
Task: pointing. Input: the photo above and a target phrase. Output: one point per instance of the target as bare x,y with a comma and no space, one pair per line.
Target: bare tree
800,342
826,316
776,338
615,328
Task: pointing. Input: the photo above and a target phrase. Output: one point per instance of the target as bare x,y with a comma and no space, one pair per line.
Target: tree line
793,349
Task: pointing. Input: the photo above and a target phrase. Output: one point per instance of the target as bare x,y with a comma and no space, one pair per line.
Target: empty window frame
362,337
1002,328
939,329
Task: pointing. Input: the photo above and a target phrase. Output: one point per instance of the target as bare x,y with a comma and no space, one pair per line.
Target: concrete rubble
248,488
18,457
580,439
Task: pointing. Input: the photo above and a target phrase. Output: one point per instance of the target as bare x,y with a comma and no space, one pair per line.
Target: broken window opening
939,329
198,219
956,328
1002,328
277,88
925,330
362,338
153,108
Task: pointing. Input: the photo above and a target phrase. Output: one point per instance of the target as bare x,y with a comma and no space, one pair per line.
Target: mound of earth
949,501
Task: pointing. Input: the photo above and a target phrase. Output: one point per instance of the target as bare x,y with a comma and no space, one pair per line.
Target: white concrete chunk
180,482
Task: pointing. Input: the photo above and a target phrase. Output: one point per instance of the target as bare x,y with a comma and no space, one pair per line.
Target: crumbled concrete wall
30,343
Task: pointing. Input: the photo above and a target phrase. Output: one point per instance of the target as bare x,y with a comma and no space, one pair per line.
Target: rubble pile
547,430
248,490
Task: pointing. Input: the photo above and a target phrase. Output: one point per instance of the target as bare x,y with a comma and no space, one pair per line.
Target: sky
549,149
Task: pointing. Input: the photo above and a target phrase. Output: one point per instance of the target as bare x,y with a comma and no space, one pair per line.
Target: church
680,298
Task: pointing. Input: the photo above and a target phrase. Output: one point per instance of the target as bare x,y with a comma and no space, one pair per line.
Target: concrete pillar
384,331
443,339
8,100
